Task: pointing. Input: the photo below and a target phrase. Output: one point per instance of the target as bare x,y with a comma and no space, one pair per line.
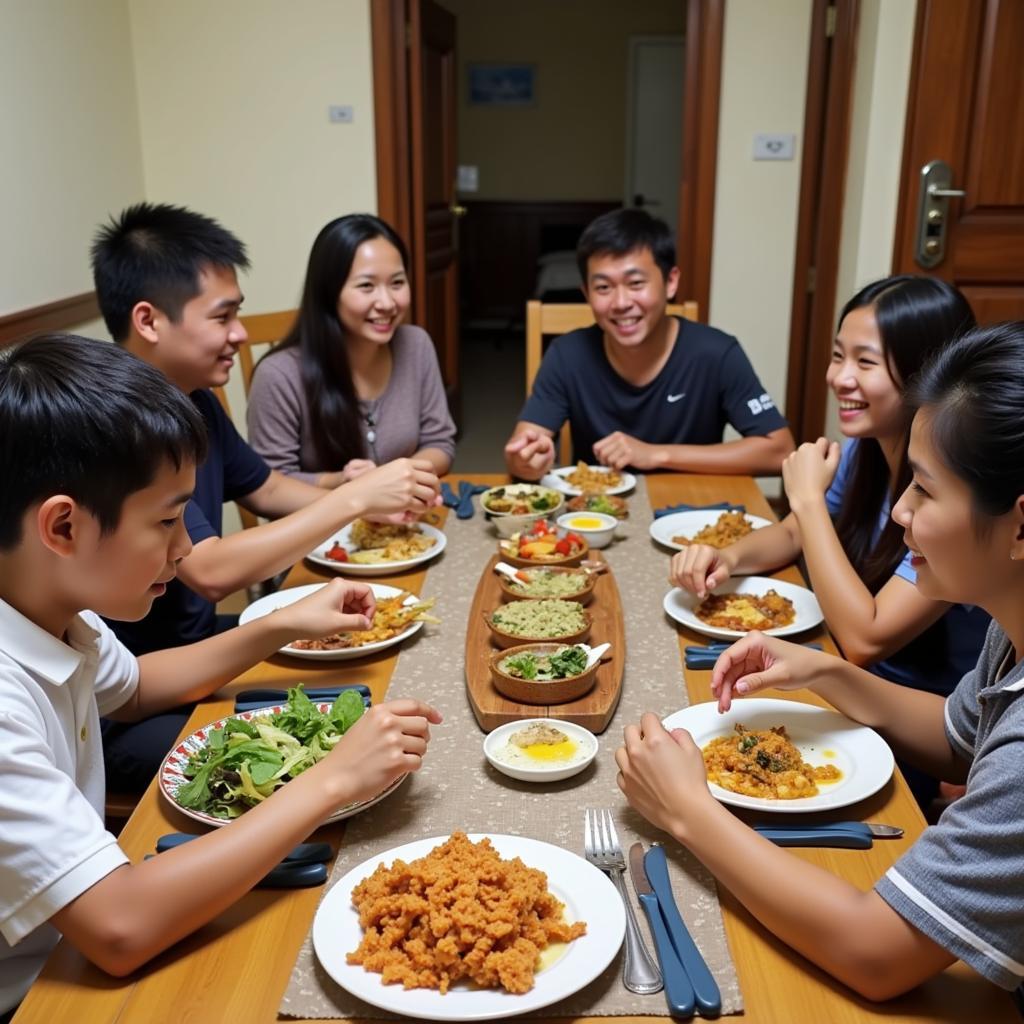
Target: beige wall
71,148
764,71
884,51
571,143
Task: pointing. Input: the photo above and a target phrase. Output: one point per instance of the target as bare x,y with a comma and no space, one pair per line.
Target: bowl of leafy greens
543,673
223,769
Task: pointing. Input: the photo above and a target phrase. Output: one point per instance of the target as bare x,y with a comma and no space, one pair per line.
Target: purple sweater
411,414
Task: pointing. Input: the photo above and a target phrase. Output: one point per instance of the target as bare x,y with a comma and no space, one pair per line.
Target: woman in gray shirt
349,388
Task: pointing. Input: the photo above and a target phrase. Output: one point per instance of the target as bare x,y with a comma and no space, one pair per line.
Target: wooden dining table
236,968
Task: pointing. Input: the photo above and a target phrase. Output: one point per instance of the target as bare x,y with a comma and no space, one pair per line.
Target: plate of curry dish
784,755
745,603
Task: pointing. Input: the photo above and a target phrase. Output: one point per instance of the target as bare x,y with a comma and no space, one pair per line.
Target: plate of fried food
378,549
399,615
584,479
704,526
784,755
528,924
743,603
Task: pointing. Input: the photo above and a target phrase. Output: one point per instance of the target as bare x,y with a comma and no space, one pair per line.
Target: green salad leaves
568,661
243,763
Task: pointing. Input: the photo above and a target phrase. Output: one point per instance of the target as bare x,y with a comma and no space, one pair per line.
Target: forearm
141,910
854,936
747,456
440,461
281,495
768,548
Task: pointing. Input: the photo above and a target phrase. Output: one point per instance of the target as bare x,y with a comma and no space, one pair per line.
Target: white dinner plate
171,776
588,896
679,605
822,736
686,524
556,479
319,554
283,598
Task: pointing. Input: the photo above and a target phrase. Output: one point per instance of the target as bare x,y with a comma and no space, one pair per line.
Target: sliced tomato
540,527
574,538
336,553
563,547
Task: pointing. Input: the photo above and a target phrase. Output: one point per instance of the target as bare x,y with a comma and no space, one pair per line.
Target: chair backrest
544,319
263,329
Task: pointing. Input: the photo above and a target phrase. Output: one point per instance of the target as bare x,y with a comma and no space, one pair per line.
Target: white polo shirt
53,846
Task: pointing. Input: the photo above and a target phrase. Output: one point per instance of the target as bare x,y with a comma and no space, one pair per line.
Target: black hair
620,232
320,337
86,419
154,253
917,316
973,393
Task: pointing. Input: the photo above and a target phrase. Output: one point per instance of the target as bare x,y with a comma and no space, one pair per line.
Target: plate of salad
220,771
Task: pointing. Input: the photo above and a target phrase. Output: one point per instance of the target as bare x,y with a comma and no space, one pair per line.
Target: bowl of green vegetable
543,673
228,766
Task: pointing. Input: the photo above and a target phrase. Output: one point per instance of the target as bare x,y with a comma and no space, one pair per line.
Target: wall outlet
337,114
467,178
768,146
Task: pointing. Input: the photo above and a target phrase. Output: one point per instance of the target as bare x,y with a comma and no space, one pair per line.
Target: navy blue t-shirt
231,470
706,383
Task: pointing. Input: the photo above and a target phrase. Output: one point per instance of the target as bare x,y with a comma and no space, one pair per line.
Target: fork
601,847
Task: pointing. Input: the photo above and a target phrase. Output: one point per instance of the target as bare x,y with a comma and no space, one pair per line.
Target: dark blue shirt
706,383
231,470
937,659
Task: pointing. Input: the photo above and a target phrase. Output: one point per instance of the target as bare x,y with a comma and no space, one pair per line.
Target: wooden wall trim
52,316
705,32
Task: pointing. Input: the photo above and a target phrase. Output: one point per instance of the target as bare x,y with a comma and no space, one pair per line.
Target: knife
679,992
850,835
709,999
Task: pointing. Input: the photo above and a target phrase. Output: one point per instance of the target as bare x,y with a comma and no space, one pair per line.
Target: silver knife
679,992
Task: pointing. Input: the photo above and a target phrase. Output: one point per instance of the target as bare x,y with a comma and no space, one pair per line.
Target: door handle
945,193
933,212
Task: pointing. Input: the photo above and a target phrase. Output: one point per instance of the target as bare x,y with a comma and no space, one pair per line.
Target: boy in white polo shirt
97,457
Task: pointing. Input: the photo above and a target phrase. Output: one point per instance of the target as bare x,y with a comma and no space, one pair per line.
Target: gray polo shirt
962,882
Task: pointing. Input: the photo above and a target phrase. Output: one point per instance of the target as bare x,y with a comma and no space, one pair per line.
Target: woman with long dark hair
351,387
958,892
858,563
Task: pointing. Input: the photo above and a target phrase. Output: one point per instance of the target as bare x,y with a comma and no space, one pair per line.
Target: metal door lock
933,212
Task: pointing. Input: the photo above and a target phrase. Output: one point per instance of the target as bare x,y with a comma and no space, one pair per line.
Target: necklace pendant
371,436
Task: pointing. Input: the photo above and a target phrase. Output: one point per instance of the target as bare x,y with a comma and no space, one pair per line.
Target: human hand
758,662
340,606
808,472
620,450
532,451
700,568
662,775
400,486
389,740
356,467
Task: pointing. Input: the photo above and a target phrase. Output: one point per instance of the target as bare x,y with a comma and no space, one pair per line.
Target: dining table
236,968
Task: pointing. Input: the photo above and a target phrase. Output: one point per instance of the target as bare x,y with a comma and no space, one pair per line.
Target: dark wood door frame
705,20
827,115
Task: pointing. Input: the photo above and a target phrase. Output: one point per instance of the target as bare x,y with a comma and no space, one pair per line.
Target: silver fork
601,847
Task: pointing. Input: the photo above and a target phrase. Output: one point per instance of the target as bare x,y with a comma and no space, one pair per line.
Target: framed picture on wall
502,85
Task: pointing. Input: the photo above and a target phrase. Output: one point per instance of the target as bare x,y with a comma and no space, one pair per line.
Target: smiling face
199,350
376,294
124,571
870,399
957,557
628,294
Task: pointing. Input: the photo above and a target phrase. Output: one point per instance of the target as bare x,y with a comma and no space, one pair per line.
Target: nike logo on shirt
675,398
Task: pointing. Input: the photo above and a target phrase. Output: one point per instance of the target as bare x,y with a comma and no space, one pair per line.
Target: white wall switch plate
338,114
770,146
467,178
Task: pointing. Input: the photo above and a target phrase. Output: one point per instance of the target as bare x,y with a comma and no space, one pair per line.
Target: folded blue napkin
252,700
705,657
463,502
722,506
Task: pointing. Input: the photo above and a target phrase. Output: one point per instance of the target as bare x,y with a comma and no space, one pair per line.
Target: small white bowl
596,536
497,740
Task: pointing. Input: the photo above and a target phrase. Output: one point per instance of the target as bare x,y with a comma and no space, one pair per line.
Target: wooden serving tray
594,710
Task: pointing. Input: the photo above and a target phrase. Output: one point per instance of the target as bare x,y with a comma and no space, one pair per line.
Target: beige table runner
458,789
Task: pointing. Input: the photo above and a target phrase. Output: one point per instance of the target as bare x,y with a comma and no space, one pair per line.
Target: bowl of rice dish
520,622
546,582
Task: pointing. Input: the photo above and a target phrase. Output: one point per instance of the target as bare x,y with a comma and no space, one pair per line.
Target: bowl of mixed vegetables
513,507
607,504
223,769
541,545
548,673
549,581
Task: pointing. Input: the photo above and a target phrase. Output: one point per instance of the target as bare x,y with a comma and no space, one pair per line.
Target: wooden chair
263,329
546,319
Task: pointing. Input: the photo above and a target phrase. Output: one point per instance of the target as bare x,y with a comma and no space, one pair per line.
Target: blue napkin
463,503
705,657
252,700
722,506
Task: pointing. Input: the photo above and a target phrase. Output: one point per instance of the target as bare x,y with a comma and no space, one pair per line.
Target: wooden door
966,107
432,108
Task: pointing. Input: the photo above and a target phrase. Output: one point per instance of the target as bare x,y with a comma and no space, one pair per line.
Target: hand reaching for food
533,450
339,606
403,487
700,568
